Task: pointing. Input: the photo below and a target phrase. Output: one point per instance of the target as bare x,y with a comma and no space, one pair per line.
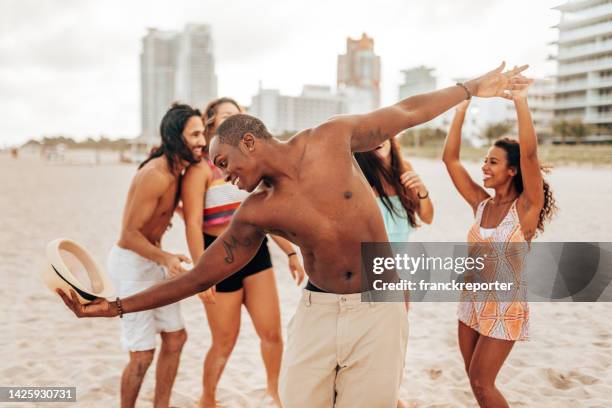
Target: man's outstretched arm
369,130
230,252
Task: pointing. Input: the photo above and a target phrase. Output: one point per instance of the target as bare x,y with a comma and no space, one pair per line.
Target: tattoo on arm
234,244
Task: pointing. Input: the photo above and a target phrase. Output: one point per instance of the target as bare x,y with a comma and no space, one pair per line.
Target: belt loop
307,298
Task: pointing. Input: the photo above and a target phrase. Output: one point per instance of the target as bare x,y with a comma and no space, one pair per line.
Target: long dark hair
513,154
375,172
173,146
210,113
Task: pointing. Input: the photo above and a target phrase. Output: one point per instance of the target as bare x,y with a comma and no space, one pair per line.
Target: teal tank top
398,228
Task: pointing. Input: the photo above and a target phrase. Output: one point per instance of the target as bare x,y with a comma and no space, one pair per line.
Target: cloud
72,66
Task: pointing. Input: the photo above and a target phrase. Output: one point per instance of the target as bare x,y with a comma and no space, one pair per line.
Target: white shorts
132,273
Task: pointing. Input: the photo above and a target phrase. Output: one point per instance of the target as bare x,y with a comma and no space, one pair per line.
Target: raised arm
469,190
533,182
369,130
229,253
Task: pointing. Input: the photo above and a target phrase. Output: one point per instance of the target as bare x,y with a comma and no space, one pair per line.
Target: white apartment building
584,63
282,113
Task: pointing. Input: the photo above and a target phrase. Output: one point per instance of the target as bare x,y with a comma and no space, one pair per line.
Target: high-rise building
542,105
282,113
584,63
358,77
417,80
196,78
174,66
157,79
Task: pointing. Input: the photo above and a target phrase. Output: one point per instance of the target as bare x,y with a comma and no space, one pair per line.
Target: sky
71,67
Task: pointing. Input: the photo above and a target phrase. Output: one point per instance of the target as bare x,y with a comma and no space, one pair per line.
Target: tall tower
196,80
157,79
358,77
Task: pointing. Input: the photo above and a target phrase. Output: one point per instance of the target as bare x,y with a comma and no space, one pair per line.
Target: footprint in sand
559,380
583,378
434,373
563,381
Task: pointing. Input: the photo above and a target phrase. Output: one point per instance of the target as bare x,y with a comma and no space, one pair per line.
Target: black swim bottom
259,263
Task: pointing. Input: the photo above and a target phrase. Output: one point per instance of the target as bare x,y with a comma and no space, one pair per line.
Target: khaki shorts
342,352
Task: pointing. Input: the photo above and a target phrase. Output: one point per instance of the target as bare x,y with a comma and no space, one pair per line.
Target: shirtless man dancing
340,352
137,261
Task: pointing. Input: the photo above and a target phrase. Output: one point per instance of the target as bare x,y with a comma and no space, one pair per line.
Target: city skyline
77,71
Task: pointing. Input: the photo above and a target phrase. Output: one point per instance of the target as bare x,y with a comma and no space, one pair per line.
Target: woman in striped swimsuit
522,203
208,205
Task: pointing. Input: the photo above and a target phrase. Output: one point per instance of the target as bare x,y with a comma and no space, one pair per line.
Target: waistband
325,298
116,250
313,288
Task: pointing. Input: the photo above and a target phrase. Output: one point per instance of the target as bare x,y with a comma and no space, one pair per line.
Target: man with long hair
310,192
137,261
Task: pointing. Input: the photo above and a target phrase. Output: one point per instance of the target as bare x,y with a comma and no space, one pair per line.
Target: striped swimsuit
222,199
505,253
221,202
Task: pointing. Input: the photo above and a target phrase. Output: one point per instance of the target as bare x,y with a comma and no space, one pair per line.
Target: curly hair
513,153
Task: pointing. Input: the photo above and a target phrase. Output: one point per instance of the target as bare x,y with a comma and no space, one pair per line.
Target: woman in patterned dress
522,203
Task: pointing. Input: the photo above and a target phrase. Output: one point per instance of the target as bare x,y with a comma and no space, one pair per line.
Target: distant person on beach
521,204
400,192
209,202
340,351
137,261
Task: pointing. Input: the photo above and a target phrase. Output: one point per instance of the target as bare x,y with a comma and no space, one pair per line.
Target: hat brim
57,275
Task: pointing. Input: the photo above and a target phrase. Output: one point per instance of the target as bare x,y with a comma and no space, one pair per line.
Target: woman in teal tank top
400,193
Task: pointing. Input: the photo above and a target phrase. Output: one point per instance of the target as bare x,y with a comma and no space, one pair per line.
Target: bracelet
422,198
119,307
291,253
469,94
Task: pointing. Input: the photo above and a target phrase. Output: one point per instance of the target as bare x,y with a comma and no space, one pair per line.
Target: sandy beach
567,362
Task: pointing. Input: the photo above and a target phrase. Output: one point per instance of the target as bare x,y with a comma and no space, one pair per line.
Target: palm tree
563,128
576,129
580,130
496,130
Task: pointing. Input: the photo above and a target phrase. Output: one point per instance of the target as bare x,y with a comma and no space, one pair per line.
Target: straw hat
70,266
